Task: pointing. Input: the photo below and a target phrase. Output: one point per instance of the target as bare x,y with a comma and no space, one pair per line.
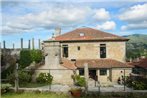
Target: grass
61,95
34,95
32,85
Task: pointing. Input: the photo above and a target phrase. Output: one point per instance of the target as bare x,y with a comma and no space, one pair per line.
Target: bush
5,88
7,60
36,55
44,78
24,77
25,58
138,83
28,56
79,81
11,78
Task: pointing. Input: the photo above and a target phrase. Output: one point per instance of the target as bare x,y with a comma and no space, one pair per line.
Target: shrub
5,88
138,85
36,55
79,81
7,60
25,58
11,78
28,56
24,77
44,78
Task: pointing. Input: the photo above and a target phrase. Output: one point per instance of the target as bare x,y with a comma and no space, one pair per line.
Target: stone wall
60,76
88,50
52,52
118,72
91,50
52,55
103,78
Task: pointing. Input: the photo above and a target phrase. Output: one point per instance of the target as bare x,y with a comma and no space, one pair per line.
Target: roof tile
89,34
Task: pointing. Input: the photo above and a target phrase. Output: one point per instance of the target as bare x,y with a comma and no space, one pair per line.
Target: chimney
130,60
57,31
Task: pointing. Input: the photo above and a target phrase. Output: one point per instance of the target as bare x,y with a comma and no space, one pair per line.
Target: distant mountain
137,38
137,45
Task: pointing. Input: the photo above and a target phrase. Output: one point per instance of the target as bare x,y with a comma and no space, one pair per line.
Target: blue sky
38,18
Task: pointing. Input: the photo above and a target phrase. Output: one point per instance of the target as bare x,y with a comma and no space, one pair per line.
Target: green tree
25,58
36,55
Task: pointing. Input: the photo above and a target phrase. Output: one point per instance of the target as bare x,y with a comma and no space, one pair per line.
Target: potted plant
79,82
76,92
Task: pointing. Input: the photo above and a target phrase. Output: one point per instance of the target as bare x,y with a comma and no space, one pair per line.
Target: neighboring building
140,67
104,53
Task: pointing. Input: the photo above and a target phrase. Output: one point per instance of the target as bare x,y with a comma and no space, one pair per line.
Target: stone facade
81,48
91,50
88,50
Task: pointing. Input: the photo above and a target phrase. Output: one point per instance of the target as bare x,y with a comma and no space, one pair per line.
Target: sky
37,19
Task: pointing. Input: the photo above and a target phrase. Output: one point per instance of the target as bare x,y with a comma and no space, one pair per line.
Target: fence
62,81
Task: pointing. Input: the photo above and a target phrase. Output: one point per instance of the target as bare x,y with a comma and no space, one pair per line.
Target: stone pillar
4,46
29,44
13,46
39,44
21,43
86,75
33,43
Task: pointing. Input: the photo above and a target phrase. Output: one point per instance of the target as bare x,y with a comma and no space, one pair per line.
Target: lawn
54,95
34,95
32,85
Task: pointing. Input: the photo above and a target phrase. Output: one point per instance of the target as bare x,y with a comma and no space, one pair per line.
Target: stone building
104,53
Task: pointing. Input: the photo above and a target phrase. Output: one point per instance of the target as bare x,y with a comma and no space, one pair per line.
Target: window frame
81,71
103,51
103,72
63,51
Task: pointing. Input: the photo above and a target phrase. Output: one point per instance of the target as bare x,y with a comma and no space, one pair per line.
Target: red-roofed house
104,53
140,67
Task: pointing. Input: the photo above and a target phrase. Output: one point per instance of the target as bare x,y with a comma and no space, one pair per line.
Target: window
65,50
81,34
81,71
102,50
103,71
78,47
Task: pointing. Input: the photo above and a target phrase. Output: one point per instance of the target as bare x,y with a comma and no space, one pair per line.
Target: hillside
137,38
137,45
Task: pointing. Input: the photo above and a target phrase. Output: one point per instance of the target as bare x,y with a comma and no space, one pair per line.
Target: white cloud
101,15
136,17
51,17
142,25
135,14
108,25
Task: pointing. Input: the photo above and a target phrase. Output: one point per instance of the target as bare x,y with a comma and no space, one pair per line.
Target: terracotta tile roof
68,64
83,34
141,63
94,63
102,63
